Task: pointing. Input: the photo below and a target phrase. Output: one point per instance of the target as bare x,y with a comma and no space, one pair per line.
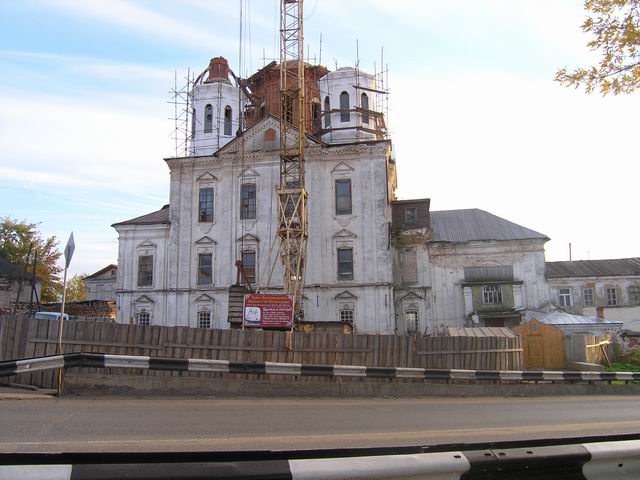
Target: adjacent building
102,284
607,289
15,286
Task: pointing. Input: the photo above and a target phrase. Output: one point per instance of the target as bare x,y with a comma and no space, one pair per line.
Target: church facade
374,264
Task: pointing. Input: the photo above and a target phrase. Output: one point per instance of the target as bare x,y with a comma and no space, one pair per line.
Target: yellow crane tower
292,227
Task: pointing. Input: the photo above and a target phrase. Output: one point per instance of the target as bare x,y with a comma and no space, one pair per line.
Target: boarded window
315,115
345,264
205,205
204,319
565,298
227,120
587,296
492,294
345,115
364,105
409,265
208,119
145,270
343,197
612,297
327,112
248,201
205,269
249,266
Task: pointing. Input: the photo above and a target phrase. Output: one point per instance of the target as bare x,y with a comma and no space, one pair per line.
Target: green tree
15,239
75,288
615,26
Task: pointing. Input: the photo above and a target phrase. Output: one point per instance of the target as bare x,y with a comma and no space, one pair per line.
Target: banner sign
267,310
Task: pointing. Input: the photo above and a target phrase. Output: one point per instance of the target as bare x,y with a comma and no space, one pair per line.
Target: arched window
208,119
327,112
227,120
364,105
344,107
193,123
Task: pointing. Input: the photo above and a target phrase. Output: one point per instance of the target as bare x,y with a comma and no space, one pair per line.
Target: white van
49,316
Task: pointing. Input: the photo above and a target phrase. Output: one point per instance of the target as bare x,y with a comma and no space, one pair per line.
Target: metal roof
101,271
594,268
559,317
157,217
481,332
474,224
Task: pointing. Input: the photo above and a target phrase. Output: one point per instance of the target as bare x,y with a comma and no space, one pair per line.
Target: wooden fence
27,337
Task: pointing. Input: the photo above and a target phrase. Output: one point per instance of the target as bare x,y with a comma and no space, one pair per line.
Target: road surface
196,424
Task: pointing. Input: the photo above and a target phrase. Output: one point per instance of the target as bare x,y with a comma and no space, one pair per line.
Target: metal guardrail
100,360
591,461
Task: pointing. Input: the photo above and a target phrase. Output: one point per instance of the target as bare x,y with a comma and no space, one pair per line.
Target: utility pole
292,196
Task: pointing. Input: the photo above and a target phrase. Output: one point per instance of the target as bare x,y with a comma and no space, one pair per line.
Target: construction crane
292,197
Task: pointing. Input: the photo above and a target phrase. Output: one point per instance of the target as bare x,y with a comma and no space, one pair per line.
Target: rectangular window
204,319
205,269
205,205
145,270
491,294
346,315
143,318
249,266
343,197
411,319
411,216
612,297
345,264
565,298
587,296
634,295
248,201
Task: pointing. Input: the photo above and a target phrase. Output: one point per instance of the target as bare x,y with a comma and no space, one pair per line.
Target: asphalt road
189,424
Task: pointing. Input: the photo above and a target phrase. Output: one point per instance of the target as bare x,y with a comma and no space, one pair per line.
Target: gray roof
474,224
157,217
481,332
101,271
594,268
563,318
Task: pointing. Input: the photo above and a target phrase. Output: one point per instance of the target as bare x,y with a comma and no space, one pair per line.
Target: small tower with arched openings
215,114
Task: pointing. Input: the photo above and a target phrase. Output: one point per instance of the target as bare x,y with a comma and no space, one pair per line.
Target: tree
615,25
15,239
75,289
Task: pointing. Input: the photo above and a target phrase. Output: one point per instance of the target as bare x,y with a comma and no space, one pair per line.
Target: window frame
415,215
200,277
252,275
338,210
345,114
564,297
327,112
364,105
415,312
590,299
200,316
248,204
492,294
146,322
143,275
208,119
611,294
228,121
634,294
345,312
211,197
346,275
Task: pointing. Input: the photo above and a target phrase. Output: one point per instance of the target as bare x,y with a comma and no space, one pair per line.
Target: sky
475,117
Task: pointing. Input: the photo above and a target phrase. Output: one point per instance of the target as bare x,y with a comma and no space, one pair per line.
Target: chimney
600,313
218,69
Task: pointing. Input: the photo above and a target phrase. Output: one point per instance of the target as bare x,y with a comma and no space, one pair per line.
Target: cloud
142,21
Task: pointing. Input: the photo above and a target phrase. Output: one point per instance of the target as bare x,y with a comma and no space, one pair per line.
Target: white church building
374,264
